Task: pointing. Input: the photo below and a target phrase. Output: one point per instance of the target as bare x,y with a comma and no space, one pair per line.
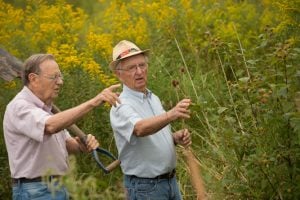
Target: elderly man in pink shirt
36,140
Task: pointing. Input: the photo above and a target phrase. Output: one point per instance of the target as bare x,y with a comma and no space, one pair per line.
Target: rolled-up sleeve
123,119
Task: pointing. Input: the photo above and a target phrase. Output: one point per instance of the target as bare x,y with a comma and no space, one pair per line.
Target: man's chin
55,95
141,89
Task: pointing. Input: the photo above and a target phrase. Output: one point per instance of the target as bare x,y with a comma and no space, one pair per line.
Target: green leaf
244,79
297,50
252,62
231,120
221,109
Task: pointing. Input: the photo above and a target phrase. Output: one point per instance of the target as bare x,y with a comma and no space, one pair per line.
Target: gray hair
32,65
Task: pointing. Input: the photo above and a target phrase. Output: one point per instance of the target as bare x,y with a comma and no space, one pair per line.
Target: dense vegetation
237,60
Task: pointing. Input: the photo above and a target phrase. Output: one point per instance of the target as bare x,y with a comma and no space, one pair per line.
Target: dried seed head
175,83
264,100
182,70
261,91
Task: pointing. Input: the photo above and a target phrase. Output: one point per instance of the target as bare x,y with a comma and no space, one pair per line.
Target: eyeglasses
54,77
133,68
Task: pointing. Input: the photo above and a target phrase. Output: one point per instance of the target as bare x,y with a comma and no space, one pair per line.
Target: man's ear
33,80
118,74
32,77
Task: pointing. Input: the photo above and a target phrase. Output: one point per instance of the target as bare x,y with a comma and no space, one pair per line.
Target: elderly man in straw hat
145,143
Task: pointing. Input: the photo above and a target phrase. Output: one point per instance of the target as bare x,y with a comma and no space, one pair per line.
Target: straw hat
125,49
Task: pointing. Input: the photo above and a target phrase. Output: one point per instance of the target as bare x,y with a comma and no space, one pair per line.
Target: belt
168,175
31,180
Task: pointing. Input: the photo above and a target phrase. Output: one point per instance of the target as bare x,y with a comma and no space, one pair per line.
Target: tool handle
113,165
78,132
73,128
109,167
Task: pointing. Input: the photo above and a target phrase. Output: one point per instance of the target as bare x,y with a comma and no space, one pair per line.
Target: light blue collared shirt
147,156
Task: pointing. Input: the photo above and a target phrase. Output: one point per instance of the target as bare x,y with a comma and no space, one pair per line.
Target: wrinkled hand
108,95
182,137
180,110
91,143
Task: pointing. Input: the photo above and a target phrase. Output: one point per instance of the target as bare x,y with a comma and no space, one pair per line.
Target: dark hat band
126,52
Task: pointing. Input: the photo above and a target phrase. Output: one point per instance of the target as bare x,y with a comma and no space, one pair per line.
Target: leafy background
237,60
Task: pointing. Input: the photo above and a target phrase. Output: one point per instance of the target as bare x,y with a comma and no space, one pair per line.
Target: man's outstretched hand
109,95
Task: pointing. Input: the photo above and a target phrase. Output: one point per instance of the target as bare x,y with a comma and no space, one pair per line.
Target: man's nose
138,69
60,81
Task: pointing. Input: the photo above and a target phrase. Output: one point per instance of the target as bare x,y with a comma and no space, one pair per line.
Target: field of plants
238,60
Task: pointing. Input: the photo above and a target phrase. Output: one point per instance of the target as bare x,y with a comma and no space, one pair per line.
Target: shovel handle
78,132
111,166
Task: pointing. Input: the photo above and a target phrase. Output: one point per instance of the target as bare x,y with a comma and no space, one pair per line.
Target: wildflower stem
229,91
242,51
186,68
248,74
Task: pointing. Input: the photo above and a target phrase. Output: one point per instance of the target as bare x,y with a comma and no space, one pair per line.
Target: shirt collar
29,94
139,95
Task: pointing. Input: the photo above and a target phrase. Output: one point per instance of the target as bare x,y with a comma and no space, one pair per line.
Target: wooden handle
73,128
194,171
113,165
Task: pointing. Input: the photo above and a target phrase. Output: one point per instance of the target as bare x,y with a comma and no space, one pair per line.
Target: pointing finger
113,87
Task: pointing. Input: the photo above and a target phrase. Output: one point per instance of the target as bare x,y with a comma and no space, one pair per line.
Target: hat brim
114,63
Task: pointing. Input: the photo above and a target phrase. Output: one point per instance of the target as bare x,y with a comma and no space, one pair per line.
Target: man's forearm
66,118
151,125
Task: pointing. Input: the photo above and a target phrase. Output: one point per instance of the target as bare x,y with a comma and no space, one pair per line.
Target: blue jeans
151,189
39,191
